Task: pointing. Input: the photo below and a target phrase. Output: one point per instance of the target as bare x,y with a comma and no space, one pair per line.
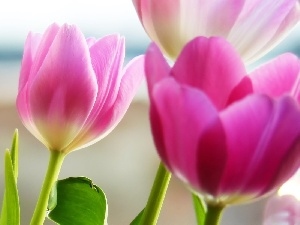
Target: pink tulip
227,151
282,210
73,91
252,26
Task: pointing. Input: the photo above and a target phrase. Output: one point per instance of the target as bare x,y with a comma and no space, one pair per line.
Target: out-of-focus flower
227,151
252,26
282,210
73,91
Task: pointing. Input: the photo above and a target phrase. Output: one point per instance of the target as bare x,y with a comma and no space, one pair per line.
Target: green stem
213,214
55,162
156,197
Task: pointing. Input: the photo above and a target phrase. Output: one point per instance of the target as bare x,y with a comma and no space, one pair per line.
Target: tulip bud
73,91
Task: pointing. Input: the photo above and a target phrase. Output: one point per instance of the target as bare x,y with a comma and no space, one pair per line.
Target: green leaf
199,209
137,219
14,152
11,208
79,202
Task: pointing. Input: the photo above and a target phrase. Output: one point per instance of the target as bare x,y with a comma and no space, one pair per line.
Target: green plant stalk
200,209
156,197
55,162
213,214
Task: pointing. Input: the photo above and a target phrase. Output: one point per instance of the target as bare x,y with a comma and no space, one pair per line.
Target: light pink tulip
73,91
252,26
227,151
282,210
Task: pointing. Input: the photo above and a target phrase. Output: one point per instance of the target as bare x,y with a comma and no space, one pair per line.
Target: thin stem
213,214
156,197
55,162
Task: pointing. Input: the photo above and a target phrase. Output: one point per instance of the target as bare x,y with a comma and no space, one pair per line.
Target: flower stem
213,214
156,197
55,162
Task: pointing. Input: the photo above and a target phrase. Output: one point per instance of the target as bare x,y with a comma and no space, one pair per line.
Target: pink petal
212,65
208,18
156,66
261,25
161,21
256,129
278,76
282,210
64,89
112,112
42,50
107,56
275,78
183,114
287,24
30,48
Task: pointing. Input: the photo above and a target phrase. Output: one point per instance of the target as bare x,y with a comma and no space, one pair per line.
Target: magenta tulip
252,26
73,91
226,150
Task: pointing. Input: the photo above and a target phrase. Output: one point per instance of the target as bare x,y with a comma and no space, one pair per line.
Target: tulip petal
278,77
212,65
275,78
282,210
256,127
183,113
107,119
64,81
31,44
156,66
158,17
262,19
42,49
208,18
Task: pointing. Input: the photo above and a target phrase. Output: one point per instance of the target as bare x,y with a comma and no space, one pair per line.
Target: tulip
226,149
73,91
253,27
282,210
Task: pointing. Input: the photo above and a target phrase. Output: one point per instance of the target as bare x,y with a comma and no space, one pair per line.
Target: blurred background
124,163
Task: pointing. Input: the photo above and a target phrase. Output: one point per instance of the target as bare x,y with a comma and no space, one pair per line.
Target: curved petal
63,91
160,20
270,134
212,65
282,210
43,49
279,76
156,66
208,18
104,121
252,26
267,20
184,113
275,78
107,56
30,48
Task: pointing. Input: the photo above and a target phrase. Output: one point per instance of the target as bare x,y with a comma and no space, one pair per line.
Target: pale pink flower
253,27
282,210
73,91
